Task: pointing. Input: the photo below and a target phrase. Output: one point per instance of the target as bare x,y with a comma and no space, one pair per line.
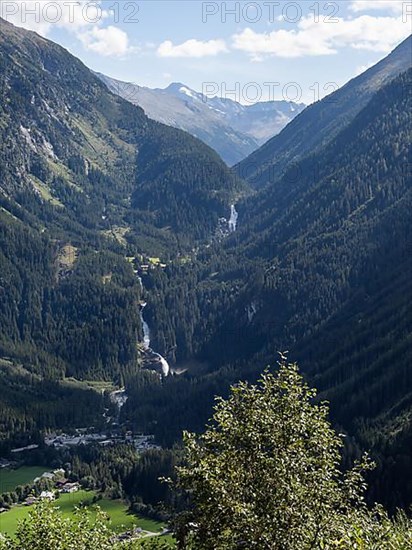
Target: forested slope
320,266
70,141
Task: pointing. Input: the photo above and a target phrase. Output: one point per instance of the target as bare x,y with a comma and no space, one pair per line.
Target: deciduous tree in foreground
265,474
47,529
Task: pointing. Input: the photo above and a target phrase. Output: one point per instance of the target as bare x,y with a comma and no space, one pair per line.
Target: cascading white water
146,329
164,363
233,219
146,338
118,398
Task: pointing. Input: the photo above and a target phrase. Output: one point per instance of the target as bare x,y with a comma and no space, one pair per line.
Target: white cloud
191,48
395,6
378,34
82,18
42,15
108,41
280,43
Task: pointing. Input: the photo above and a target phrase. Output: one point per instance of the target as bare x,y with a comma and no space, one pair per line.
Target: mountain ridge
320,265
232,129
81,139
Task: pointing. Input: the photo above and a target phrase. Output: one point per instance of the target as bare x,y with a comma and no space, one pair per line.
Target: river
152,357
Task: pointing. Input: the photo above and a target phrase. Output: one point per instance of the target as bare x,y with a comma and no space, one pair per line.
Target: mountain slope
322,121
86,179
319,231
232,129
69,140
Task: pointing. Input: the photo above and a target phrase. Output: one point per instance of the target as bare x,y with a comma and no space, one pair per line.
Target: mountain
86,179
337,234
322,121
232,129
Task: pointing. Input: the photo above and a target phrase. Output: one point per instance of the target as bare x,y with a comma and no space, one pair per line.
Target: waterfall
146,329
233,219
164,364
119,398
150,354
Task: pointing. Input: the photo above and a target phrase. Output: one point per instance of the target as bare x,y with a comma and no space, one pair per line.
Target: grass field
10,479
121,520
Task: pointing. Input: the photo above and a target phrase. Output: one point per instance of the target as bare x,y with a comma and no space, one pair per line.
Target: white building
47,495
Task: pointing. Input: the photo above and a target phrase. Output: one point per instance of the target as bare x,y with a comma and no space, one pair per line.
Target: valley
141,277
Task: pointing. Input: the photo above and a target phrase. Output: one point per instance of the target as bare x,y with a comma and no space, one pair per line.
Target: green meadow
10,479
120,519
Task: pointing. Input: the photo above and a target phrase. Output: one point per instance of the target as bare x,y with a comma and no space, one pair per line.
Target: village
58,487
141,442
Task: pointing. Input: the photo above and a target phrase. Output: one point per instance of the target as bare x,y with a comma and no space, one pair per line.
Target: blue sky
298,50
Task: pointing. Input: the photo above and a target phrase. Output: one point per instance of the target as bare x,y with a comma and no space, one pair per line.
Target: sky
249,51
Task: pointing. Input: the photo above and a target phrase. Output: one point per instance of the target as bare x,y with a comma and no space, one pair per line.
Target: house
27,448
4,463
59,472
3,510
30,501
61,482
47,495
45,475
70,487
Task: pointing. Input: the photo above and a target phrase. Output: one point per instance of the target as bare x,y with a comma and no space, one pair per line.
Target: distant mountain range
232,129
